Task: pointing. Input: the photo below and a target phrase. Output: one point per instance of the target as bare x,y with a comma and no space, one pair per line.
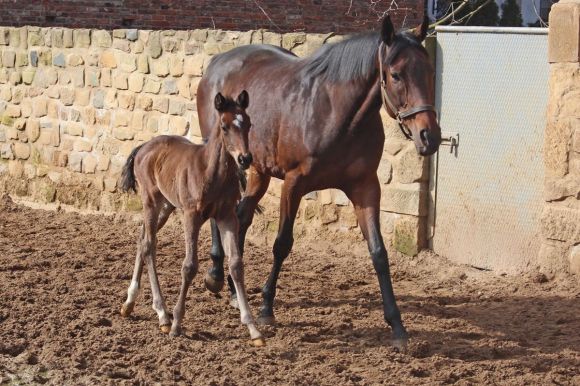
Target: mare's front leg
365,196
135,285
192,223
257,186
228,226
292,192
214,278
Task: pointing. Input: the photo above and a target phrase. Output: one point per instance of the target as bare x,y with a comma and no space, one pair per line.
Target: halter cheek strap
400,116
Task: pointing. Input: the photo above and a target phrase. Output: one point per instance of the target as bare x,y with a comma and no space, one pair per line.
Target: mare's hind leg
255,190
365,197
135,285
292,192
192,223
229,234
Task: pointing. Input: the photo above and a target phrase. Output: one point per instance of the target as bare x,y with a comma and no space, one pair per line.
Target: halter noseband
400,116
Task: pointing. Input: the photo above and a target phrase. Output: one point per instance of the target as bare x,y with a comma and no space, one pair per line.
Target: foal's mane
353,58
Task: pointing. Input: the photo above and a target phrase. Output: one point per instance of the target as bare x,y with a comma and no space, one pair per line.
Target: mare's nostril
424,135
249,158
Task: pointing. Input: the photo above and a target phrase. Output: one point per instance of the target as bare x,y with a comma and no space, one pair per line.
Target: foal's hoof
234,302
213,286
258,342
166,328
127,309
266,320
400,345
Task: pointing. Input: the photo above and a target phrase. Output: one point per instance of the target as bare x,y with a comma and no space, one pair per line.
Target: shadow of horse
459,327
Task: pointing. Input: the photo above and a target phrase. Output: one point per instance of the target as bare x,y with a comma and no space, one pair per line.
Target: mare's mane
353,58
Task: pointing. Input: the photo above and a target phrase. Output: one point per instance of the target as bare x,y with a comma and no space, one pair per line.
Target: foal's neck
217,158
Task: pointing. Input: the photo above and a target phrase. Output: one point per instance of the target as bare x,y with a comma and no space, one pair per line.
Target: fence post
560,251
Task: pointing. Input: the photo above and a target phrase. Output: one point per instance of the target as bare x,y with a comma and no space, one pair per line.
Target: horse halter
400,116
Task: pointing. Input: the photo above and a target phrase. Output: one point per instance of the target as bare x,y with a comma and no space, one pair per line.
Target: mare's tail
243,183
127,181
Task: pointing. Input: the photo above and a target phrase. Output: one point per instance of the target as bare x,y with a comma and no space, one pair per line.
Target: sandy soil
63,277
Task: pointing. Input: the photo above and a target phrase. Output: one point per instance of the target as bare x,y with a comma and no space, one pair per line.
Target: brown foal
202,180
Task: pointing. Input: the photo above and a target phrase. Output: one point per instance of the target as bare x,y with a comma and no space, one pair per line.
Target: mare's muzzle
245,160
429,142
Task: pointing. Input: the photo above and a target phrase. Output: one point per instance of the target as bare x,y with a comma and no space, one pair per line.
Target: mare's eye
224,127
396,76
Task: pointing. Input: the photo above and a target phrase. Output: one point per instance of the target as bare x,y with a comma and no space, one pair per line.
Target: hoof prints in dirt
64,283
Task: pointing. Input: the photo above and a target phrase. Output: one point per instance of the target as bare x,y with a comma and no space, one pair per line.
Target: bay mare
316,125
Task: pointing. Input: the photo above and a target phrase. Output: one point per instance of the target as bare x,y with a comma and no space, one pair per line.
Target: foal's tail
127,181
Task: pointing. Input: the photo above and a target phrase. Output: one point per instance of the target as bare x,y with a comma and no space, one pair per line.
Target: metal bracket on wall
451,140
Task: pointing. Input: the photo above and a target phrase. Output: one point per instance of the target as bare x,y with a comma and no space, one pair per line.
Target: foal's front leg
228,227
192,223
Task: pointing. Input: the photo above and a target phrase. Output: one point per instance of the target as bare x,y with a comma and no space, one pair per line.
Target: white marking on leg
230,244
133,291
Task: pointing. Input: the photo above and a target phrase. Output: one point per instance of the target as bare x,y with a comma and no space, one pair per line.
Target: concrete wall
561,215
75,102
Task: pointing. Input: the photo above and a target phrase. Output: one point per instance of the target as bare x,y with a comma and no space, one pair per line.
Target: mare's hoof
258,342
175,333
166,328
266,320
400,345
213,286
127,309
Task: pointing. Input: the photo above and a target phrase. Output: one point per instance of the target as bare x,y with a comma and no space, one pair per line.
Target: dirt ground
63,278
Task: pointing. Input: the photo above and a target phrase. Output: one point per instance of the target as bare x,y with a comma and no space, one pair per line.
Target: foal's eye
396,76
224,127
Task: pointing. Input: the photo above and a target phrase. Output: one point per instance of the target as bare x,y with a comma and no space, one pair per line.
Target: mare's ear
387,31
420,31
243,100
219,102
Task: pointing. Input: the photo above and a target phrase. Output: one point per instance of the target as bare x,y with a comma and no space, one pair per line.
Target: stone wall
561,216
75,102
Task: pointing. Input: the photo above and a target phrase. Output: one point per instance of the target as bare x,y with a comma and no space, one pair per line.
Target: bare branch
451,15
542,22
269,18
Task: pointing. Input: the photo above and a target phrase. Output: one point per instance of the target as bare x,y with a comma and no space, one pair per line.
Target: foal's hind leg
192,223
148,253
135,285
365,197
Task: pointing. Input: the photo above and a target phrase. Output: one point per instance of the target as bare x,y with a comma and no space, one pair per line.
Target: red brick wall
340,16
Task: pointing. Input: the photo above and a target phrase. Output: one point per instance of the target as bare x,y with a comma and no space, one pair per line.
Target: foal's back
173,166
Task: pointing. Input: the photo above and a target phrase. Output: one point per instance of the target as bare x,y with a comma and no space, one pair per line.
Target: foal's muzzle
245,160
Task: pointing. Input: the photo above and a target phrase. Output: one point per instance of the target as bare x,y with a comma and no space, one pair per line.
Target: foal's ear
387,31
243,100
219,102
420,31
